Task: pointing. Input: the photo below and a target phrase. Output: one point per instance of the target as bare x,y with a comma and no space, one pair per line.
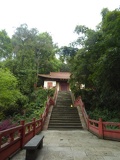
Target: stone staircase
63,115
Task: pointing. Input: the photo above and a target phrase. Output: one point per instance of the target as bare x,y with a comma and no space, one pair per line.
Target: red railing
105,130
13,139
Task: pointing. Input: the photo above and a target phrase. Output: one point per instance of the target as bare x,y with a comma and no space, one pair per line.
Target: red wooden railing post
46,110
41,117
100,127
11,137
87,123
34,127
22,133
0,139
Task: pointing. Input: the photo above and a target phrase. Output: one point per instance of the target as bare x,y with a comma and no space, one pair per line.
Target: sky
57,17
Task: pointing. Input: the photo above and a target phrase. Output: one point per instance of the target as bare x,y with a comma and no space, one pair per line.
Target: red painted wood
34,126
94,130
63,86
9,150
98,127
24,133
12,144
113,135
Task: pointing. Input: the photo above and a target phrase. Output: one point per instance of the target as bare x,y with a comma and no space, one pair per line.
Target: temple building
60,80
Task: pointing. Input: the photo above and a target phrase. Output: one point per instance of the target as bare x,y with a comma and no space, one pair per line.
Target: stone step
65,107
65,112
65,96
64,100
65,127
65,118
65,121
64,104
63,115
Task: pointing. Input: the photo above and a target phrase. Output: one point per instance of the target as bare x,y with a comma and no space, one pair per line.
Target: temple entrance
63,86
60,80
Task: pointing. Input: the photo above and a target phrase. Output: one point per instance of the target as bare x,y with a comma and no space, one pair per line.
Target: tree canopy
96,64
22,57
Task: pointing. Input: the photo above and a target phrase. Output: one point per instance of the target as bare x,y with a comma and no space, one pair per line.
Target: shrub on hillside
6,124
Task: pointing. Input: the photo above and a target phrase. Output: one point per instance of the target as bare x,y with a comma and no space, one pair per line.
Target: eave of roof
56,75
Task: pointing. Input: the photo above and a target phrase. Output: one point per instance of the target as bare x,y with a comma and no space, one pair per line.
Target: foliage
66,53
36,107
29,114
96,65
40,95
64,67
5,45
6,124
106,76
22,57
105,114
32,53
9,93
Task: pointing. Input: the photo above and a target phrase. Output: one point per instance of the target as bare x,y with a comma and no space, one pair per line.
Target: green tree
45,54
33,53
9,93
26,54
24,58
106,76
66,53
5,45
83,63
97,63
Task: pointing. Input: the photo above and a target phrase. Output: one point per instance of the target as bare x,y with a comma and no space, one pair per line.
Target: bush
6,124
88,97
36,106
95,109
9,93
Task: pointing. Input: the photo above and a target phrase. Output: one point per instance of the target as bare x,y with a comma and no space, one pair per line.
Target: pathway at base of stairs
74,145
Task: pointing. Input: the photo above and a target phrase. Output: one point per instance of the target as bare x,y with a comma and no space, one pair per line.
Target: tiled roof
56,75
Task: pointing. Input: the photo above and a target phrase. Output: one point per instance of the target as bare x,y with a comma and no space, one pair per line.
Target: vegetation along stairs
64,115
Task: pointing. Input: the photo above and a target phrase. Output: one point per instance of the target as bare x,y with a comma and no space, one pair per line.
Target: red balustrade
105,130
13,139
10,141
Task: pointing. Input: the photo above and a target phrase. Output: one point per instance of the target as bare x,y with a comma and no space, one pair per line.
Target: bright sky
58,17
